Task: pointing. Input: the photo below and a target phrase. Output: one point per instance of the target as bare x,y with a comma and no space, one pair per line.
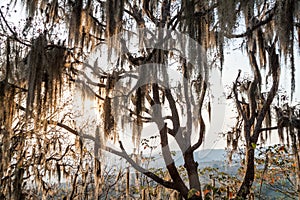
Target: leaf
253,145
205,192
192,192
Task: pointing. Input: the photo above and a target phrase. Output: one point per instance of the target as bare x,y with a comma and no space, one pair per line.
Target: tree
255,107
47,54
277,172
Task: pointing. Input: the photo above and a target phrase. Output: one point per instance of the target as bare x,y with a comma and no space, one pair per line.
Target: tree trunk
296,159
244,190
127,184
298,169
191,168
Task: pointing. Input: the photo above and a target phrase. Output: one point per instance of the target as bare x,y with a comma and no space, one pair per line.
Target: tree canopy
144,63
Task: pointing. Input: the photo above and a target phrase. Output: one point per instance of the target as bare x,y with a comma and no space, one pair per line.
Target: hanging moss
75,24
227,15
45,68
140,102
284,24
36,61
114,15
31,6
261,48
111,23
108,118
7,93
219,38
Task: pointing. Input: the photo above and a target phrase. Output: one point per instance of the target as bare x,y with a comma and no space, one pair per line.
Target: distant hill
214,158
205,158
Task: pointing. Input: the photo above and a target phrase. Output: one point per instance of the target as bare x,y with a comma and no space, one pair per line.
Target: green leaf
191,193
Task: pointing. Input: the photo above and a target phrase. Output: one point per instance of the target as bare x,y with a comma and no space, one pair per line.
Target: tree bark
170,163
191,168
127,184
244,190
296,160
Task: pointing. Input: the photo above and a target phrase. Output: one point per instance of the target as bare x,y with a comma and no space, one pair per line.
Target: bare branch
149,174
254,27
238,103
12,31
172,105
201,121
268,129
124,155
275,75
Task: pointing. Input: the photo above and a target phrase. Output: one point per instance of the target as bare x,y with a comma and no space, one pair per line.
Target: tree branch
275,69
254,27
12,31
268,129
122,154
238,103
149,174
201,121
172,105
